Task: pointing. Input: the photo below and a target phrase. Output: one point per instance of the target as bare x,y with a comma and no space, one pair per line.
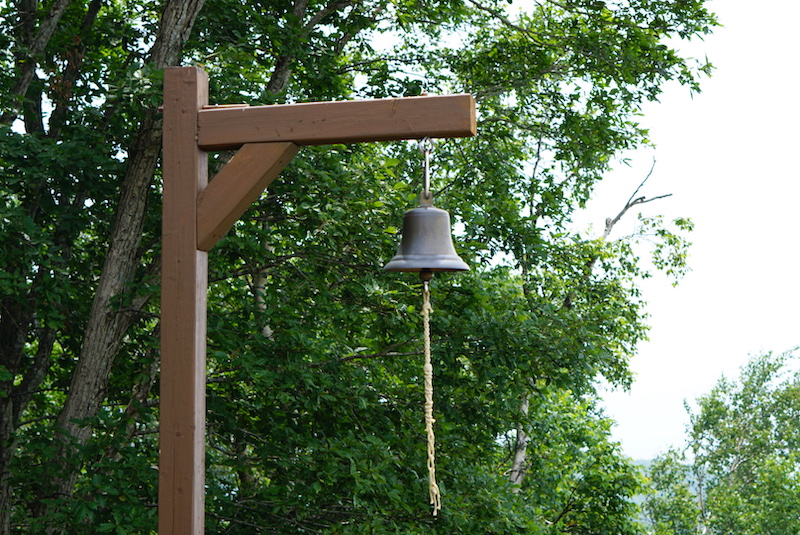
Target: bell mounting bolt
425,275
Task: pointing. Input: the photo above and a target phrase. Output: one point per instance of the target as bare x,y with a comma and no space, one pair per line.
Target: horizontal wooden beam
348,121
237,186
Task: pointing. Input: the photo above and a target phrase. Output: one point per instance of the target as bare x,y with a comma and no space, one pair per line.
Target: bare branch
633,201
357,355
320,15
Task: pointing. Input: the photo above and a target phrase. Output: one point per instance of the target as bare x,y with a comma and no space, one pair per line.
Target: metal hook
426,146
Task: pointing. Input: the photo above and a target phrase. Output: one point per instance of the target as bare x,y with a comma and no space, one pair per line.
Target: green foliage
741,472
673,509
670,251
314,387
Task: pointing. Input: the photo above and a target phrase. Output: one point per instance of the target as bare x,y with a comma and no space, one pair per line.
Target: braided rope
433,488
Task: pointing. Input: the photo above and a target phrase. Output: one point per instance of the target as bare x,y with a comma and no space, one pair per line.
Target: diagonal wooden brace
237,186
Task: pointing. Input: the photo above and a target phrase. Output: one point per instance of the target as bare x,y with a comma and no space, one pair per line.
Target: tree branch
505,20
27,63
357,355
74,63
633,201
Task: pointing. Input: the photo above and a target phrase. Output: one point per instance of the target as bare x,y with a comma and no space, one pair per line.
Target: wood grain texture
183,310
351,121
237,186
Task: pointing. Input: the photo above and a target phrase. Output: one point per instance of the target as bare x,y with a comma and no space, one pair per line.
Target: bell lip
417,270
415,263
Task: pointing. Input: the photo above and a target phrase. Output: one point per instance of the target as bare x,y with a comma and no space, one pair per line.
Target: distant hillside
644,463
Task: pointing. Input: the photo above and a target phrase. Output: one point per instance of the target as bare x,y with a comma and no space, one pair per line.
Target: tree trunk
107,327
520,464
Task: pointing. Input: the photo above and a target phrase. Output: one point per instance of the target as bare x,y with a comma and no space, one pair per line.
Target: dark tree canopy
314,390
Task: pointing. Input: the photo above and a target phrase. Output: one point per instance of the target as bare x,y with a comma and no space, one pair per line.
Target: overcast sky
729,157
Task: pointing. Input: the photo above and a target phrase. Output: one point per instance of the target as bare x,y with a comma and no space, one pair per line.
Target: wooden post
184,280
195,217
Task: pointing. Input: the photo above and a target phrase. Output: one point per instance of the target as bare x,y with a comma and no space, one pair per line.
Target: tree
741,472
313,381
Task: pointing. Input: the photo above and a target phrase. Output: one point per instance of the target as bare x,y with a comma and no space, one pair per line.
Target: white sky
729,157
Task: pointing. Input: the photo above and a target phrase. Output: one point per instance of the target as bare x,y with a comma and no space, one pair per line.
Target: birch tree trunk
520,462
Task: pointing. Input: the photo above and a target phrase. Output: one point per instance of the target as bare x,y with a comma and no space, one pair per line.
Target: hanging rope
433,488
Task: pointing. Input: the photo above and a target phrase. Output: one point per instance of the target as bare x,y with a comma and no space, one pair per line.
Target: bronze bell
426,245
